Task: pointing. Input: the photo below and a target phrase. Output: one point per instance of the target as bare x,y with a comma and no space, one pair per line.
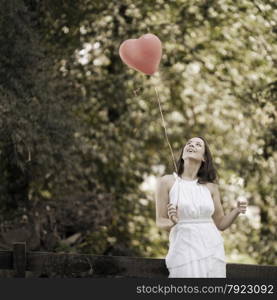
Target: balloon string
165,130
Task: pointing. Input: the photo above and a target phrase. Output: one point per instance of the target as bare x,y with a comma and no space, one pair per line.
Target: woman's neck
191,168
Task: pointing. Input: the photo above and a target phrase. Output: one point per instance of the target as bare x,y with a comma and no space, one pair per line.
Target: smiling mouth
191,150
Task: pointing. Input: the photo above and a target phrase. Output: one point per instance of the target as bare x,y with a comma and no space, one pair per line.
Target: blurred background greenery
81,138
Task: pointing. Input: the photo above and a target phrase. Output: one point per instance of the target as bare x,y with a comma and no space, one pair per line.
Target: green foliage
68,98
36,115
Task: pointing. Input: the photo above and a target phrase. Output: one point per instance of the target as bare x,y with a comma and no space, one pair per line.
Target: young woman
188,205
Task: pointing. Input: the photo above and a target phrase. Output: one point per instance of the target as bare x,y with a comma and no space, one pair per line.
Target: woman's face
194,149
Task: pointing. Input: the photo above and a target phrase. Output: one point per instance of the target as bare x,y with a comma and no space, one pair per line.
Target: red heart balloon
143,54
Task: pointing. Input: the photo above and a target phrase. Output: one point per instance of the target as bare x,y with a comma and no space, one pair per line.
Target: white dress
196,247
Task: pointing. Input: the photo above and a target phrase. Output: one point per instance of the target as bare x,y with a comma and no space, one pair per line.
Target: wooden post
19,259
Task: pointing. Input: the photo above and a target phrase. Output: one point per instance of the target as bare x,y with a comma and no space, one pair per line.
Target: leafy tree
102,132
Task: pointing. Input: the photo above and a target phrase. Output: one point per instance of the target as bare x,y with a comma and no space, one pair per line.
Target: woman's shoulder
212,186
167,179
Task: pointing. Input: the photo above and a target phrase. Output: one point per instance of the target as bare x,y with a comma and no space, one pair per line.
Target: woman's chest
193,199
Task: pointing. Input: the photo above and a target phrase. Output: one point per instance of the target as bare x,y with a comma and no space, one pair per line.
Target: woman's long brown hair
207,171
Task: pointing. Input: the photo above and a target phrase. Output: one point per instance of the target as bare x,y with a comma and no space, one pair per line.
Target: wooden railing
47,264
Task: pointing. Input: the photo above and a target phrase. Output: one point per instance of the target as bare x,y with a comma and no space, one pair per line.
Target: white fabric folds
196,247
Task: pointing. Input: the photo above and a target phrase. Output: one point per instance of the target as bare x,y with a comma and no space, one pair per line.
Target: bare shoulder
213,187
168,180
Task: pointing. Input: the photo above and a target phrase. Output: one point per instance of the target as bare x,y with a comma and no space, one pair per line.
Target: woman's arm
227,220
162,199
222,221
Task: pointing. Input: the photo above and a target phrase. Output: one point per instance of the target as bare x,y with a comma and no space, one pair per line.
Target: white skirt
208,267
